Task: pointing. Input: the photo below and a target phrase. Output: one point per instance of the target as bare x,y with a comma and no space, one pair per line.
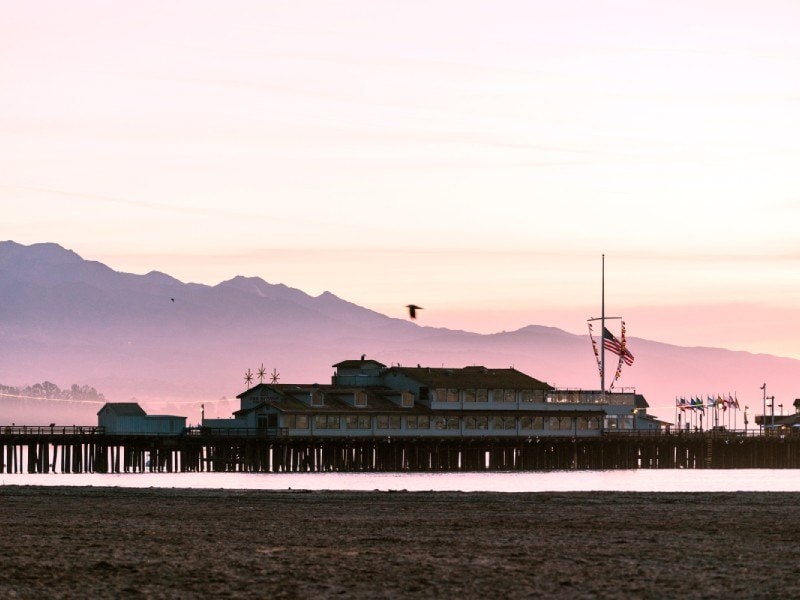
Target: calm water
664,480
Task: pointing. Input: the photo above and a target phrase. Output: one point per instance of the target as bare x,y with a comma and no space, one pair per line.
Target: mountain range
173,345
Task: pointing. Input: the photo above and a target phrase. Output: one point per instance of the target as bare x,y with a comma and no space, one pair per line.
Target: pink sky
474,158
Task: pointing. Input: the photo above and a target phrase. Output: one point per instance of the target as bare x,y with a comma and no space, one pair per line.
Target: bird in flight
412,310
173,299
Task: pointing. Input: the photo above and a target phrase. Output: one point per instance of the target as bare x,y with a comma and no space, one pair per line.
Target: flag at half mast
612,344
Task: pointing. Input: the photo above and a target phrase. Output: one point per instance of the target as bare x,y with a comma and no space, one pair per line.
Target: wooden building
130,418
368,399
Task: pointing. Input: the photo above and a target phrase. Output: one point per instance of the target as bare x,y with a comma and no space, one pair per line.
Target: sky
476,158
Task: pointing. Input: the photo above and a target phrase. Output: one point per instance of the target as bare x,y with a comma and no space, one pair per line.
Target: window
361,398
317,398
387,422
476,422
594,422
582,423
440,395
560,423
504,396
444,423
423,393
452,395
611,422
505,422
532,395
482,395
407,400
469,422
526,423
326,421
469,395
418,422
295,421
358,422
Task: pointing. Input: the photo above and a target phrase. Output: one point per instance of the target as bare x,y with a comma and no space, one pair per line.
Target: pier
91,450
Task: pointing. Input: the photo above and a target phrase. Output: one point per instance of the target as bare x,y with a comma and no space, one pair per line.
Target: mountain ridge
168,343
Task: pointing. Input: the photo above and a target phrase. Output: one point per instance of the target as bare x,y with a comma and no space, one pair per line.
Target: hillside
174,345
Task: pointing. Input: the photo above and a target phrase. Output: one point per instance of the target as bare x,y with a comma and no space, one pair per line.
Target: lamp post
772,411
763,407
746,418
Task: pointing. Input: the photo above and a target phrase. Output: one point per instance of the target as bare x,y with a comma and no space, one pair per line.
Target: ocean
640,480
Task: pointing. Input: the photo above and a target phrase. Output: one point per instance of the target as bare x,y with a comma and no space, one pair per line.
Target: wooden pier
90,450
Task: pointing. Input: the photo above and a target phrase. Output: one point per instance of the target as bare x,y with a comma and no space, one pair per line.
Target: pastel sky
475,157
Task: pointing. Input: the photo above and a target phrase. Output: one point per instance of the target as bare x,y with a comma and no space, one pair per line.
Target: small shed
130,418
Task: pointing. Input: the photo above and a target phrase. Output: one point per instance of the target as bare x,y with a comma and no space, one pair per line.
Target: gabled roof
124,409
472,377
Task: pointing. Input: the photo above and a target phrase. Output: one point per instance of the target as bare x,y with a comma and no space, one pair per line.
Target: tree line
50,391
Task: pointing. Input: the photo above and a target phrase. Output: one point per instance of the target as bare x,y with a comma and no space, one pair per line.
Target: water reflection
664,480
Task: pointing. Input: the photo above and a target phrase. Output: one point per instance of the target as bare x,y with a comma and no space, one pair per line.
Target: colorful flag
612,344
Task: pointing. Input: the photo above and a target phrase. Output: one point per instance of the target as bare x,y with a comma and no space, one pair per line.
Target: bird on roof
173,299
412,310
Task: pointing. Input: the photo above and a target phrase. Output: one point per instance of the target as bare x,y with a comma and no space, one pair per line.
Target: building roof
356,364
336,399
472,377
124,409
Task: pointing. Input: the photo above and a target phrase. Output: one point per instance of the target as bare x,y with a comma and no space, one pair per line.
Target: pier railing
50,430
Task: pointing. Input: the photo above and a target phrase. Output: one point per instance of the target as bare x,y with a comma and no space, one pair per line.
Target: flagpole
603,329
602,318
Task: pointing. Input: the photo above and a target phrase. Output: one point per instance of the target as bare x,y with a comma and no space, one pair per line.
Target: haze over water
662,480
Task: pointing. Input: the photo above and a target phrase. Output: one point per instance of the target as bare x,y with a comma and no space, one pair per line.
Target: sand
167,543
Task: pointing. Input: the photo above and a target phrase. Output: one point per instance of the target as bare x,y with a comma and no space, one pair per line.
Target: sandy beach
172,543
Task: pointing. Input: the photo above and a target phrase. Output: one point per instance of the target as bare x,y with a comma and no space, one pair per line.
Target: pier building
130,418
368,399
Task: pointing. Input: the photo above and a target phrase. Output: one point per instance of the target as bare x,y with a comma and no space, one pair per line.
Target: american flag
612,344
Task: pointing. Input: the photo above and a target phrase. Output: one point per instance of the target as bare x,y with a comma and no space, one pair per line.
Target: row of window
422,422
485,395
513,396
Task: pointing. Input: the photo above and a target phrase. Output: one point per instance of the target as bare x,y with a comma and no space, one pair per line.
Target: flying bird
173,299
412,310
